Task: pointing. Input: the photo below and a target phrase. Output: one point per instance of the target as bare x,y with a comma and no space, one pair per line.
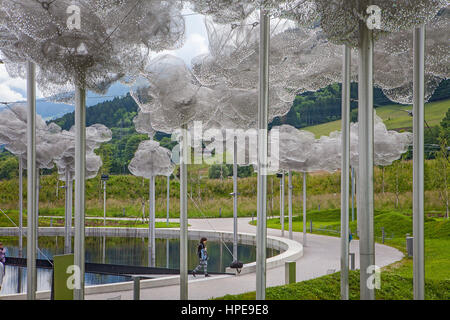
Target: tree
219,171
9,168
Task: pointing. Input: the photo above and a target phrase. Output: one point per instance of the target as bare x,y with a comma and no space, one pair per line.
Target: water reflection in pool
123,251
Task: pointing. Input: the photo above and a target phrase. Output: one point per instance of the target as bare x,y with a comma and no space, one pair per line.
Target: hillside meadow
128,195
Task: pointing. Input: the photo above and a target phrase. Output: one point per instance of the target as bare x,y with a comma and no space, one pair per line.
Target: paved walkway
321,254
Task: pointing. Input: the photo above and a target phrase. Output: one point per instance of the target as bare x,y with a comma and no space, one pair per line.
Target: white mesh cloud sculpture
151,160
340,18
84,42
172,97
13,131
393,60
389,145
95,136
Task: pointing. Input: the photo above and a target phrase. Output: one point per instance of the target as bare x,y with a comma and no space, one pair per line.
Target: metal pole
183,216
261,235
304,209
37,196
290,203
20,207
80,175
281,196
67,216
353,194
31,183
282,204
104,203
151,223
365,146
418,164
345,162
70,214
235,194
168,199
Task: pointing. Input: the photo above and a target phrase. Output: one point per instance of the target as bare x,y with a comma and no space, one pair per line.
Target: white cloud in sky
10,87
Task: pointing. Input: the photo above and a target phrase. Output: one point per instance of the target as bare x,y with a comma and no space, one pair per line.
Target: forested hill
309,108
116,113
312,108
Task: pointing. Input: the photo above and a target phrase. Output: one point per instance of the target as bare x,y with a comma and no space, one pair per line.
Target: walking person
2,263
203,258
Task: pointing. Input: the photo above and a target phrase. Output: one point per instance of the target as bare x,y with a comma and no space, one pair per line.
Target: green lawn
393,286
396,279
393,117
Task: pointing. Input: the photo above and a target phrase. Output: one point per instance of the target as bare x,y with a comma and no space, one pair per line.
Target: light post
104,178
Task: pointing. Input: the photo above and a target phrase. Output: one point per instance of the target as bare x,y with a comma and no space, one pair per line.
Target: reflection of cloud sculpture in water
111,41
151,160
13,133
95,136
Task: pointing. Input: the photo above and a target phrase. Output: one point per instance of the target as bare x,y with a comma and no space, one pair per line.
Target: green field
393,117
396,279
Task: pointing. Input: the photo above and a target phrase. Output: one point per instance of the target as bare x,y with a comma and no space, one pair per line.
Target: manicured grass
393,117
392,287
396,279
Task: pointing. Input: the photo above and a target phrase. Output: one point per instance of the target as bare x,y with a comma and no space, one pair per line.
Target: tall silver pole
20,207
168,199
281,196
365,146
282,204
151,223
70,214
183,216
235,194
418,164
67,216
261,235
345,162
80,175
37,195
304,209
290,203
31,183
353,193
104,203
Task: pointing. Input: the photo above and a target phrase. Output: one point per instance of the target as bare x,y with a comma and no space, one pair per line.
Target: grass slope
396,279
393,117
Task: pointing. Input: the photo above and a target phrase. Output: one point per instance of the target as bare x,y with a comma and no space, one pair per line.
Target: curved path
321,254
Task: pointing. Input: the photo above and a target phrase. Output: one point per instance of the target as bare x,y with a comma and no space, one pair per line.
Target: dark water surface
122,251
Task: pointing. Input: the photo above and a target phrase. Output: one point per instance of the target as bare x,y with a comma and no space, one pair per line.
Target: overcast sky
196,43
